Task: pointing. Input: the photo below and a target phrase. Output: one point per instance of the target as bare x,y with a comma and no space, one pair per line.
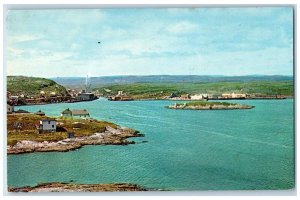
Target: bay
185,149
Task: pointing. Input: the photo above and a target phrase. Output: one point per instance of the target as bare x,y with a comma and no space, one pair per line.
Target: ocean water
186,149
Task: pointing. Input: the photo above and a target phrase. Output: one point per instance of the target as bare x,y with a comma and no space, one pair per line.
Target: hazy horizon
249,75
150,41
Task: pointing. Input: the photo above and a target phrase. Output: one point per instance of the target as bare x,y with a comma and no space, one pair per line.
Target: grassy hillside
152,90
28,130
33,86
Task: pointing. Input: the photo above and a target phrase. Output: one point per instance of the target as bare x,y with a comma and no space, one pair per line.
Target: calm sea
186,149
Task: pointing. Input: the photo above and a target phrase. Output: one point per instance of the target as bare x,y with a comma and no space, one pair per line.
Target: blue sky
174,41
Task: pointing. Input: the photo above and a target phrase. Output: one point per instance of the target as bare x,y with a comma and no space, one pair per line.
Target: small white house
199,97
47,125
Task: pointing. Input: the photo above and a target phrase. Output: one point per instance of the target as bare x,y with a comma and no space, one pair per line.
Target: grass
32,86
30,132
159,90
206,103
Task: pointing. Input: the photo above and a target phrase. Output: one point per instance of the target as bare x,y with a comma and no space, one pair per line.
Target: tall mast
86,83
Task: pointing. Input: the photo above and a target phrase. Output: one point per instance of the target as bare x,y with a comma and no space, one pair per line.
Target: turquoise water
186,149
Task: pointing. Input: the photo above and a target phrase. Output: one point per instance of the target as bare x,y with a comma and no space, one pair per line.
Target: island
204,105
25,133
73,187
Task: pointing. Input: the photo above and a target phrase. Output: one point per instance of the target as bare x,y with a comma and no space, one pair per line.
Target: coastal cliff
208,106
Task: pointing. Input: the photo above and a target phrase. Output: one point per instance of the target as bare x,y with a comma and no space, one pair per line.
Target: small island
204,105
73,187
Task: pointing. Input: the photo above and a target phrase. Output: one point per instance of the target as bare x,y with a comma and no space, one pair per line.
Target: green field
159,90
31,86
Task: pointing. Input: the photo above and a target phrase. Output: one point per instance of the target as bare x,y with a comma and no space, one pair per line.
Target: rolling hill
31,86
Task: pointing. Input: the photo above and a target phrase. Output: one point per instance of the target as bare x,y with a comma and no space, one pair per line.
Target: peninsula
24,136
202,105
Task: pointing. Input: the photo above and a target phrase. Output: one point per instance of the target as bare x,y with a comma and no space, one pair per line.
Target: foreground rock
209,106
111,136
68,187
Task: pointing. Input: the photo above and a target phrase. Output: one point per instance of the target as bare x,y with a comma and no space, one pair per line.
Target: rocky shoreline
111,136
209,107
72,187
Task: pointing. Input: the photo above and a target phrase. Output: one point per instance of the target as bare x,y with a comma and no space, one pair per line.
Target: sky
150,41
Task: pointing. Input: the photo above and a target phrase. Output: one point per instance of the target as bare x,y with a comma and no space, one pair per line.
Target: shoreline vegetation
74,187
212,90
208,106
22,90
23,136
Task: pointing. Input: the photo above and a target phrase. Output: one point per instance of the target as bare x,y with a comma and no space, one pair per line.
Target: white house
199,97
47,125
233,95
80,113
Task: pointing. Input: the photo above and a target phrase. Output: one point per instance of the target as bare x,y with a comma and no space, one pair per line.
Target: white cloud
182,27
23,38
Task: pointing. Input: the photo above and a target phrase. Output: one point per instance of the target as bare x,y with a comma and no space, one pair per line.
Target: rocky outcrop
110,137
71,187
209,107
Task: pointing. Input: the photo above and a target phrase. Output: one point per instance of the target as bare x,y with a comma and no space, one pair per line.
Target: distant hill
17,85
109,80
160,90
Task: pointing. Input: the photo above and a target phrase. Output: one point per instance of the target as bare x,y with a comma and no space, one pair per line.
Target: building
80,113
10,108
86,96
66,113
75,113
121,96
185,96
199,97
233,96
47,125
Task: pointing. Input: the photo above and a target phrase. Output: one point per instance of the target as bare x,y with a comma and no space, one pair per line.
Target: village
51,97
122,96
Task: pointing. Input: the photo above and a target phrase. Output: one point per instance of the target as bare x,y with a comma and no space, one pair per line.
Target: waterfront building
80,113
233,96
199,97
47,125
185,96
75,113
66,113
121,96
85,96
